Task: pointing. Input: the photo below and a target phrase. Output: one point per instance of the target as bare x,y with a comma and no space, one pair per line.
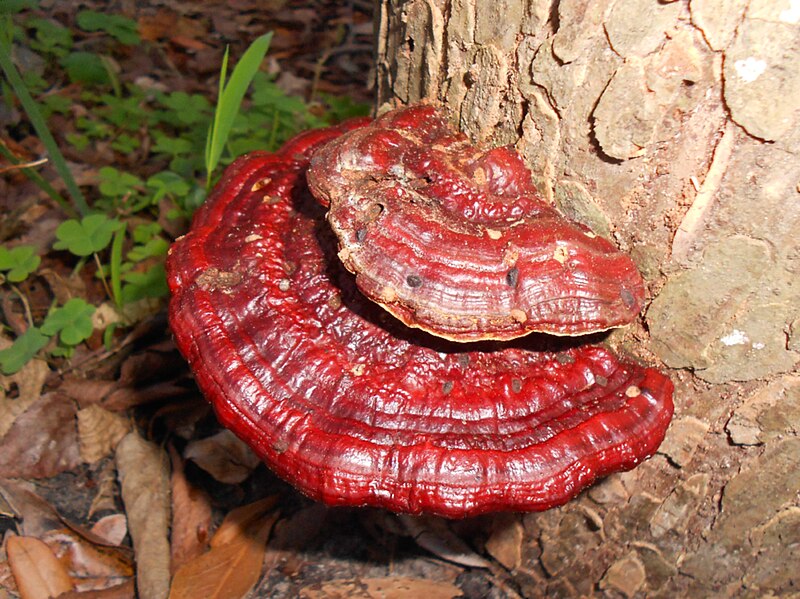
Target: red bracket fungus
456,240
354,408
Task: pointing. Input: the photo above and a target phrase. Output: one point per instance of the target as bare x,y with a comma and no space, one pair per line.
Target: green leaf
185,109
174,146
50,36
10,7
85,67
230,99
20,262
24,348
152,283
91,234
167,183
72,321
145,232
121,28
157,246
125,144
116,184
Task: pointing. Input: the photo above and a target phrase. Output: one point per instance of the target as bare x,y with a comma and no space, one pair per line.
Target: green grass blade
223,73
40,126
231,96
116,266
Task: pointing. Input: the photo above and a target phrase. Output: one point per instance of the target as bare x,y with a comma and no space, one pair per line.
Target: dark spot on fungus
512,277
627,298
564,358
374,211
361,235
414,281
354,408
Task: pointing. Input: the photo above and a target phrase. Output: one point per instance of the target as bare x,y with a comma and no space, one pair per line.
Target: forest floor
107,449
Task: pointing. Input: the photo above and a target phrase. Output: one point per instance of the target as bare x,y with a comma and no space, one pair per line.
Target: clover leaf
89,235
72,322
24,348
19,262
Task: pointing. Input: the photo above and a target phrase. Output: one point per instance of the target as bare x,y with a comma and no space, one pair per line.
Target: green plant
19,262
230,99
181,138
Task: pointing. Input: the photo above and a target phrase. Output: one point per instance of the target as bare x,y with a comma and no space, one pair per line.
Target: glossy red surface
455,240
352,407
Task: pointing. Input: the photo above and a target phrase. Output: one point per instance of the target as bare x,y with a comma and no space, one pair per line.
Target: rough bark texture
673,128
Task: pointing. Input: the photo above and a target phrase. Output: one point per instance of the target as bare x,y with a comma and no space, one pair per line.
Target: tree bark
673,128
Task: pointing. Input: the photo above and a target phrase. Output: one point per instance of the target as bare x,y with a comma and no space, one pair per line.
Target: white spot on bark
750,68
791,14
735,337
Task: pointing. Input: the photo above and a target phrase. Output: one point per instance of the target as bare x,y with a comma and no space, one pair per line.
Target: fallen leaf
224,456
105,498
86,392
144,481
35,515
43,441
112,528
36,569
392,587
191,516
84,559
226,571
240,519
99,431
433,534
126,590
29,382
505,541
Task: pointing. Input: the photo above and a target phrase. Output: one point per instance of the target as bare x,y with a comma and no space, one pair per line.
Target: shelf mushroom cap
456,241
352,407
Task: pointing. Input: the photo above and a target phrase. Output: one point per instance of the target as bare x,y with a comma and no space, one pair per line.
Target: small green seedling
72,322
19,262
123,29
88,236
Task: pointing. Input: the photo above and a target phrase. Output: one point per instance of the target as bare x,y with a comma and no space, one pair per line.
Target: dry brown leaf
393,587
240,519
433,534
112,528
87,560
228,570
36,569
191,516
99,431
224,456
505,542
126,590
144,482
43,441
84,391
105,498
29,382
35,515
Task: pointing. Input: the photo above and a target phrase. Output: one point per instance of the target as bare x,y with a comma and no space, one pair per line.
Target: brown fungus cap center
456,240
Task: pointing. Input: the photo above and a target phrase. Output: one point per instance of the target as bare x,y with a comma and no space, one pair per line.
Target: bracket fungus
353,407
456,240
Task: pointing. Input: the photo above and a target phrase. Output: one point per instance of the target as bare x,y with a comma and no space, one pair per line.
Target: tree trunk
673,128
